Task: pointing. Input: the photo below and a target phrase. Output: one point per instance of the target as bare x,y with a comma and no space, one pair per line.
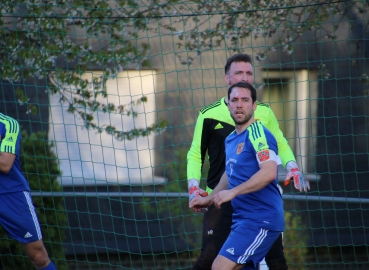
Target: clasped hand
217,199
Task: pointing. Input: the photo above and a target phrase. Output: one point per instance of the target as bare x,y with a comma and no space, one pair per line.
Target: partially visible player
17,213
252,186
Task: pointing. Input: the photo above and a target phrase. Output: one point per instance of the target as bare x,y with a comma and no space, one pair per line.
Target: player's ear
254,105
226,79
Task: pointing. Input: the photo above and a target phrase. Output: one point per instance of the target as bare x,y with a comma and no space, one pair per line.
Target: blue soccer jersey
13,181
265,206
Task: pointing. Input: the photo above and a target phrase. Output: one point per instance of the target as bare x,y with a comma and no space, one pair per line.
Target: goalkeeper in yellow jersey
213,125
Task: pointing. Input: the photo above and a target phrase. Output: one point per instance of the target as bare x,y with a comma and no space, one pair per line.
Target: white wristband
291,164
193,182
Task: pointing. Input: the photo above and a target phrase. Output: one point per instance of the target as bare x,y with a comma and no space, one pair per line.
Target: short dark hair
240,57
245,85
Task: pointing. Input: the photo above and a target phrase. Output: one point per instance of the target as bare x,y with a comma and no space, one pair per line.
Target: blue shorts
248,244
18,217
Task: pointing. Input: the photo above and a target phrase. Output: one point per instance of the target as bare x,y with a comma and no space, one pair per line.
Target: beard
243,121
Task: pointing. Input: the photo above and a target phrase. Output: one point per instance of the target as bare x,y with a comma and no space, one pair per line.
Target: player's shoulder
255,126
214,107
5,117
262,105
231,135
258,130
259,135
10,122
263,113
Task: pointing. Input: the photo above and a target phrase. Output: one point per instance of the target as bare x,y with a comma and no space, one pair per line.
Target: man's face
239,71
240,105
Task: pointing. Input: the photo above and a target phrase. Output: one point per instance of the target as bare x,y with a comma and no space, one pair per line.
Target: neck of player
243,127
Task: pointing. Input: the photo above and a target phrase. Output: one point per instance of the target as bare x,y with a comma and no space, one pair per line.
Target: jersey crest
239,148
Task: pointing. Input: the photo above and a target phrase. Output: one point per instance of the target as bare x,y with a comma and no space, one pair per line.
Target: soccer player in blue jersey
250,183
17,213
213,125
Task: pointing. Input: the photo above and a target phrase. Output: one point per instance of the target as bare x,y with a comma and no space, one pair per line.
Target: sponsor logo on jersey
263,155
239,148
260,145
210,232
28,235
218,126
10,139
230,250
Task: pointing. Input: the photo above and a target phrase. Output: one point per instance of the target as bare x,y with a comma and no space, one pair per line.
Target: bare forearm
259,180
255,183
222,185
